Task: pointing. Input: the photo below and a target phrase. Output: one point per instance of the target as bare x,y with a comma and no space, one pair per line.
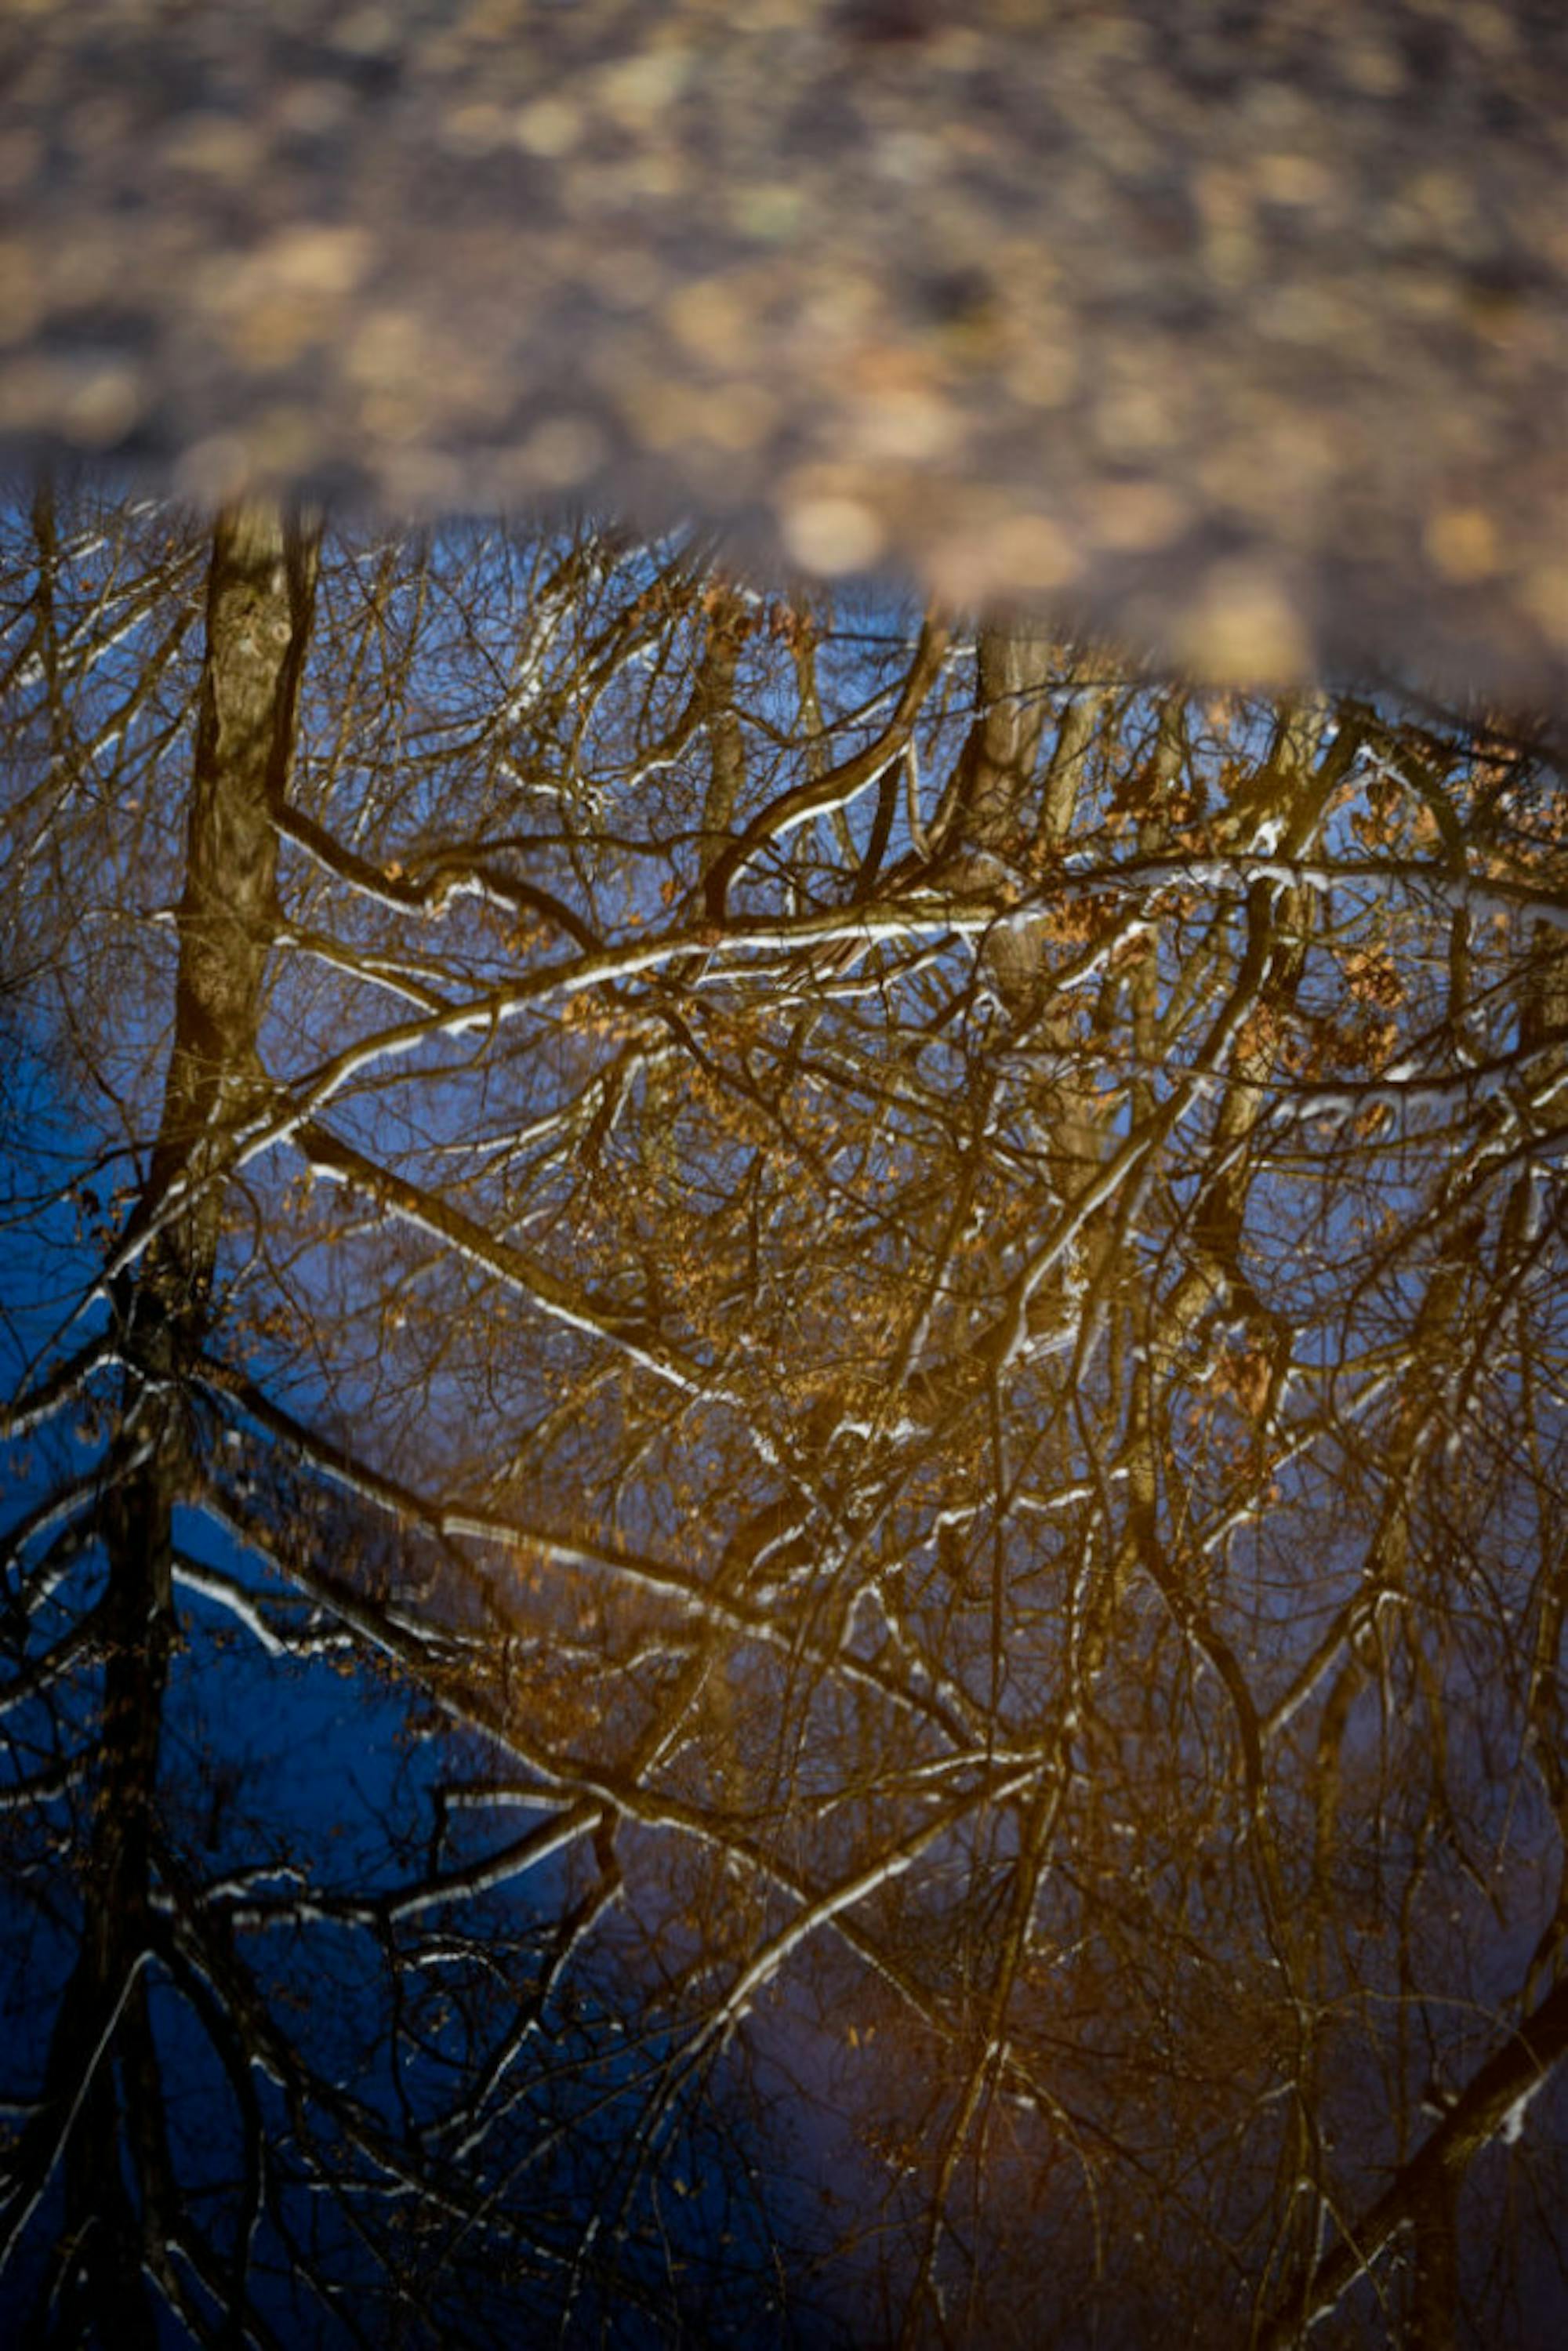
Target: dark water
785,1521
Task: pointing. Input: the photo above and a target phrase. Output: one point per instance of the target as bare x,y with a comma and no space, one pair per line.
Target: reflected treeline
785,1546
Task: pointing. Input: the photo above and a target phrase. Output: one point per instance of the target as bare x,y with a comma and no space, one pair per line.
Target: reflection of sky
775,1233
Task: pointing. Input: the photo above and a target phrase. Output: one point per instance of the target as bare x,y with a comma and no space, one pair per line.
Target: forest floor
1238,330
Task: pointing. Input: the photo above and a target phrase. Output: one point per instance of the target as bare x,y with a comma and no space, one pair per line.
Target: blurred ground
1239,328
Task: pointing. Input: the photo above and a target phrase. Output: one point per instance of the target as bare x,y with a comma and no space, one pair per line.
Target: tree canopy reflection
786,1549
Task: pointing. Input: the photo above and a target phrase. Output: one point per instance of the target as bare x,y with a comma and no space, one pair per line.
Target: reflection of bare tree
100,2150
924,1282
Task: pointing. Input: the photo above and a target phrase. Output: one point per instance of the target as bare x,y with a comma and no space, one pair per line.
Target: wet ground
1238,330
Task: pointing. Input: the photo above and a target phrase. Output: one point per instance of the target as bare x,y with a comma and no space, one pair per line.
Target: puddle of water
785,1448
